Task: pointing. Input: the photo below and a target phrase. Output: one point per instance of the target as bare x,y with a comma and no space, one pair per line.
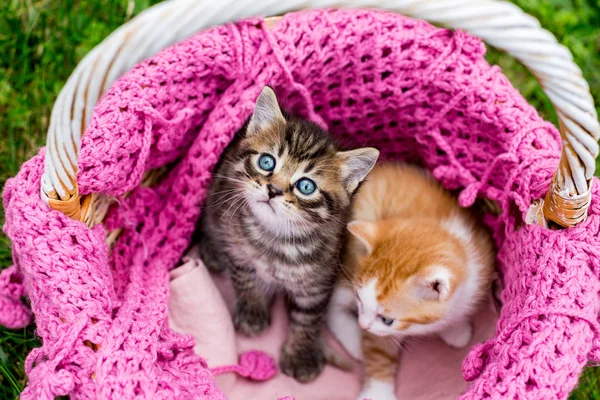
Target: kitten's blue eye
306,186
386,321
266,162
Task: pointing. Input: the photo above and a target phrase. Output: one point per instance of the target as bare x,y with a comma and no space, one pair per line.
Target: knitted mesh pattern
416,92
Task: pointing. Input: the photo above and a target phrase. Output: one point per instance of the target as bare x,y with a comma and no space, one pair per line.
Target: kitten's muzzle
273,191
364,323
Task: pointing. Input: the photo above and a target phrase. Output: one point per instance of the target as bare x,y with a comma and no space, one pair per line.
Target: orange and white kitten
416,264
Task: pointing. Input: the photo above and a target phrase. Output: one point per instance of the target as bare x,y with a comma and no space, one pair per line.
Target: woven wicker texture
418,93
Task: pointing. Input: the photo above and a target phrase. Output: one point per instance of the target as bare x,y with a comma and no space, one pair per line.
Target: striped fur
288,243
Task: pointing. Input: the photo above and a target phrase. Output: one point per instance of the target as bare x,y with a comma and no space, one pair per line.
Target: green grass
41,41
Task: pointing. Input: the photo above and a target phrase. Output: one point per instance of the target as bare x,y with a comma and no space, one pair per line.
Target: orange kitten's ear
266,112
435,284
365,232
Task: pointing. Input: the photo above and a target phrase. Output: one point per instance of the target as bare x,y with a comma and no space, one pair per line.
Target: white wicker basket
499,23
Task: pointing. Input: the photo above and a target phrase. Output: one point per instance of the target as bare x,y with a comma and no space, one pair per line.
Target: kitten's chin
382,333
271,218
264,212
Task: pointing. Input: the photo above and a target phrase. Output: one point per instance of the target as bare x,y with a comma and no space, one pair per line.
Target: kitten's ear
365,232
356,164
435,284
266,112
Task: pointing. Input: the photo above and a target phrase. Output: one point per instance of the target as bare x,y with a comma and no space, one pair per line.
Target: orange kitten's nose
363,322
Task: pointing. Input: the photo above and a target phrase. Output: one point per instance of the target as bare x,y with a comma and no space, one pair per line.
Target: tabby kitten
275,219
417,263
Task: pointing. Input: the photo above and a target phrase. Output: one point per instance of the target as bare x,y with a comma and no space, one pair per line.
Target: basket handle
499,23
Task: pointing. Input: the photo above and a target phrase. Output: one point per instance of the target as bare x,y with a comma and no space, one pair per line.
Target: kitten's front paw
458,335
377,390
188,259
301,363
251,319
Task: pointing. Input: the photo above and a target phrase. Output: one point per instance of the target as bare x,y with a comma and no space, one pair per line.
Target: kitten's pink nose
273,191
363,322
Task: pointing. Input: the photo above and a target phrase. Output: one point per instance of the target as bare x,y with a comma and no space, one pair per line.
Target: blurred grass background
41,41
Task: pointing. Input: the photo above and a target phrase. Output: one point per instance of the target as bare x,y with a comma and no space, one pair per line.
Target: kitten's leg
342,323
458,335
302,354
214,259
381,363
252,313
207,248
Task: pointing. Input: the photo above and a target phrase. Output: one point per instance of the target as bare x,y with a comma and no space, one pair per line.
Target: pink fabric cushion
429,369
196,307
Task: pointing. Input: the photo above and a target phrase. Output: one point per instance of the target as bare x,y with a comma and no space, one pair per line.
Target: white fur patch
458,227
458,335
369,311
454,328
368,307
377,390
271,216
343,324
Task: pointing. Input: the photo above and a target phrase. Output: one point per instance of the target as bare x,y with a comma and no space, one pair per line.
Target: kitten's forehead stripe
307,141
248,152
328,200
248,167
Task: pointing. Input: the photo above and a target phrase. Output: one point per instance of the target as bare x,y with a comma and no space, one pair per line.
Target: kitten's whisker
234,203
227,191
396,341
243,203
215,207
225,198
223,201
345,272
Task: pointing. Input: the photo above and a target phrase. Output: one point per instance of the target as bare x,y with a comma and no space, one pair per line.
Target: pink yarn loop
48,379
469,194
13,313
475,362
52,383
254,364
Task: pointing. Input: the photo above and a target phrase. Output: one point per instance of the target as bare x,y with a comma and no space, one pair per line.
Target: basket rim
499,23
101,204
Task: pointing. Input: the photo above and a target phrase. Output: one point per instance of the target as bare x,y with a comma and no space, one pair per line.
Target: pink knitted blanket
416,92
